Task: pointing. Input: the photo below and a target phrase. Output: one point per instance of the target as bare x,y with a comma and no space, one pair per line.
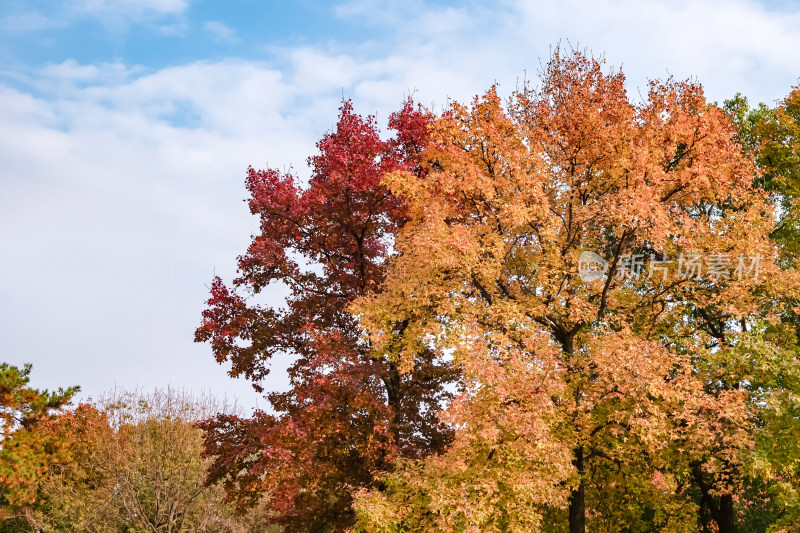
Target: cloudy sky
126,127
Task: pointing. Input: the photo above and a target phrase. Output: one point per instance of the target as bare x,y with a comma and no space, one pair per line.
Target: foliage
348,415
600,404
136,465
773,138
451,366
25,455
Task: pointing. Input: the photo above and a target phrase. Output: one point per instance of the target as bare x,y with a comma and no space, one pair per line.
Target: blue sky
126,127
164,33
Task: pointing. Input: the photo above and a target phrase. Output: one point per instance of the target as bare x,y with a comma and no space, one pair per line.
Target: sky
126,128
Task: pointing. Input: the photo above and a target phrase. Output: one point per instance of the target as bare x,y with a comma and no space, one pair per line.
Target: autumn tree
772,137
349,414
75,493
597,402
136,465
25,455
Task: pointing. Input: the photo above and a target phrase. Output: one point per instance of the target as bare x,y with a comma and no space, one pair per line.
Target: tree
76,494
136,465
772,137
623,387
348,414
24,457
778,156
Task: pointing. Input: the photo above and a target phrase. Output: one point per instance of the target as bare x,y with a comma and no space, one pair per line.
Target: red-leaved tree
348,415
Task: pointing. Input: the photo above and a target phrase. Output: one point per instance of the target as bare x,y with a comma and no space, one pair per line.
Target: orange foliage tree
26,452
595,401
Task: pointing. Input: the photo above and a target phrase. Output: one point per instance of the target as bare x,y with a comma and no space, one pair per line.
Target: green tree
771,136
25,456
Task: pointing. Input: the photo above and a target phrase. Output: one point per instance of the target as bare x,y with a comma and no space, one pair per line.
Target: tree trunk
577,503
726,519
722,512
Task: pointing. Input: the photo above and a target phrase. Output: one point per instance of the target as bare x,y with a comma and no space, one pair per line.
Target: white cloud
221,32
135,8
177,29
30,21
114,215
121,188
728,45
116,15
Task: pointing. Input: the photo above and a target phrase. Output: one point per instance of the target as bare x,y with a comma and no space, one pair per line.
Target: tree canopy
598,402
349,414
25,453
567,310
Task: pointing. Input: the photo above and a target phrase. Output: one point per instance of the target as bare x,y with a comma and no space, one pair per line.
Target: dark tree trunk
704,521
721,509
726,520
577,503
